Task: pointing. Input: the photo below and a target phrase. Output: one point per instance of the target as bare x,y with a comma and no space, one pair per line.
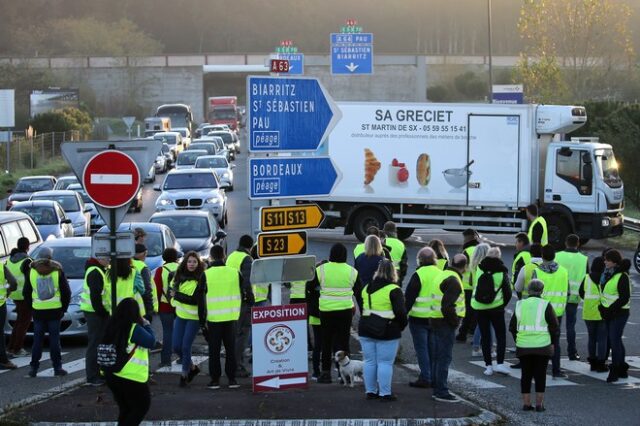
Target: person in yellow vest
223,288
577,265
185,294
95,303
129,283
367,263
8,284
149,297
133,335
19,263
447,308
469,322
337,283
241,260
359,248
534,327
556,292
398,251
260,291
525,274
491,293
538,233
418,306
615,303
312,296
48,292
521,257
167,313
442,257
382,297
590,292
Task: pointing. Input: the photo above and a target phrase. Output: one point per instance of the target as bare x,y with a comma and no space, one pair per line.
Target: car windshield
209,148
153,241
33,185
72,259
186,227
190,180
69,203
224,114
186,158
63,183
226,136
41,215
169,139
165,149
211,163
609,167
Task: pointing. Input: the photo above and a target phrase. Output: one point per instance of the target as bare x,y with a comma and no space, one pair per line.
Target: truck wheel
636,259
404,233
558,229
364,219
584,241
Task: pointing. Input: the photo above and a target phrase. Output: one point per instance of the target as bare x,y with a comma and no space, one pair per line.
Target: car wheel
230,188
138,207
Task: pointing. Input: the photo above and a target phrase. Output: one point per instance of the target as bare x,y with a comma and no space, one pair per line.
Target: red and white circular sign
111,179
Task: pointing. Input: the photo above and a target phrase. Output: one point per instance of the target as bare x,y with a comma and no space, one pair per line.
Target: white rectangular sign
7,108
279,338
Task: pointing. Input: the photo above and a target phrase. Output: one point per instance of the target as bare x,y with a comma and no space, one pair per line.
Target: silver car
73,206
64,182
96,219
193,189
220,166
187,159
49,217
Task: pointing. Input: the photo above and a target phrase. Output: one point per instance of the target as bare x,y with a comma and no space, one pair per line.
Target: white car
220,166
185,132
173,139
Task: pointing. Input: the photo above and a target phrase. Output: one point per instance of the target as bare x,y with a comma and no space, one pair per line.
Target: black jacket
494,265
244,286
395,327
183,297
536,233
624,293
553,326
95,281
45,267
411,294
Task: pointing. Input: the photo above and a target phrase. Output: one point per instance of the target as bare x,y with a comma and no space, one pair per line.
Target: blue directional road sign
351,53
290,177
288,114
296,62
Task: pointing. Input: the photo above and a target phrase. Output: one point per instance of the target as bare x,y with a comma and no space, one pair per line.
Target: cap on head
45,253
140,248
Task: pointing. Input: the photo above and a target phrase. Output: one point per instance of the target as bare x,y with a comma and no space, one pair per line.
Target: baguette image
423,169
371,166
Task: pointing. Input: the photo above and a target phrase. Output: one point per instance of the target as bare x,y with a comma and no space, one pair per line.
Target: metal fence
24,152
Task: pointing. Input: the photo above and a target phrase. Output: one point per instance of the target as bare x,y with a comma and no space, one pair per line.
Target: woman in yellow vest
532,325
384,298
185,295
167,313
441,253
132,334
590,291
615,302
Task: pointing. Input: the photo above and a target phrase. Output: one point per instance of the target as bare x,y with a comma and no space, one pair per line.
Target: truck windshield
608,167
224,114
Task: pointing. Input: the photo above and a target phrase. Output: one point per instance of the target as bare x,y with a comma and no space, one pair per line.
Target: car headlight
225,175
165,202
213,200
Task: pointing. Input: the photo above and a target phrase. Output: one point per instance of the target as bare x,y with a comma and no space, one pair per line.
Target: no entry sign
111,179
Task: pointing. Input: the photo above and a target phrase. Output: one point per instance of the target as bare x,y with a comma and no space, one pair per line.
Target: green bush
62,120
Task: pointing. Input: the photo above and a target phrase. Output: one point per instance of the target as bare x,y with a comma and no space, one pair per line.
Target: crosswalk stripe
517,374
177,368
583,368
633,361
459,376
70,367
24,361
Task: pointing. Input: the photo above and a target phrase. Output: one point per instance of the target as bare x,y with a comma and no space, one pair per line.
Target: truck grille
193,202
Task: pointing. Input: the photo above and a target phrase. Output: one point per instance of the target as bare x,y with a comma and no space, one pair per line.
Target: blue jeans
184,333
166,319
421,336
378,364
441,353
597,345
615,328
53,329
570,315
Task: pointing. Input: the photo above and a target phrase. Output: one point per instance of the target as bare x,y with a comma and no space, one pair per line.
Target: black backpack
485,289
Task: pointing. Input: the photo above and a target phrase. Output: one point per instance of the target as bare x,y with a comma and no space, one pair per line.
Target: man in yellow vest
469,322
447,308
47,289
590,292
95,303
521,257
150,302
18,263
577,264
223,289
525,274
418,305
241,261
8,284
398,251
556,292
538,233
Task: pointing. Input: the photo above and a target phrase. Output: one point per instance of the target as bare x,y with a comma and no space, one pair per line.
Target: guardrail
632,224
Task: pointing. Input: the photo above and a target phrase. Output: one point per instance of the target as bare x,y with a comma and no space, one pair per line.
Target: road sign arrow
352,67
290,217
282,243
289,114
277,382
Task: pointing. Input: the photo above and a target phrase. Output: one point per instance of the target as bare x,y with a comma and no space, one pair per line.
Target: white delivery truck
454,166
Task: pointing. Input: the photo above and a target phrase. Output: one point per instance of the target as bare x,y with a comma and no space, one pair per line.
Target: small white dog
349,368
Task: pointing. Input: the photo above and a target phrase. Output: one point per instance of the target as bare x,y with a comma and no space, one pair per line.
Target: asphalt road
578,400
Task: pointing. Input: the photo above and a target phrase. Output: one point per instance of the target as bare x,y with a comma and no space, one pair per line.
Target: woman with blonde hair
367,262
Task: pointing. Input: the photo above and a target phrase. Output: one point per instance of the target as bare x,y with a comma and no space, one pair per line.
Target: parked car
151,174
96,219
193,189
158,238
196,230
72,254
220,166
49,217
187,159
64,181
27,186
73,206
173,139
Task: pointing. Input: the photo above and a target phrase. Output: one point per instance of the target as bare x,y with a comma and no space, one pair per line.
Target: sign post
129,122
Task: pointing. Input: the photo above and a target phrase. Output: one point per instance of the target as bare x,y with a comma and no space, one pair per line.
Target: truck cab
583,191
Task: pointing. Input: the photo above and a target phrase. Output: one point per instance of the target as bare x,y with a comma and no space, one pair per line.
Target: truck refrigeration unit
454,166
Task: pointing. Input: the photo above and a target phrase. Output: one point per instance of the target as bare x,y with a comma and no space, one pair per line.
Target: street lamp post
490,52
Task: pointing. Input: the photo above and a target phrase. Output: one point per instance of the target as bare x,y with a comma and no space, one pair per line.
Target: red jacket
164,308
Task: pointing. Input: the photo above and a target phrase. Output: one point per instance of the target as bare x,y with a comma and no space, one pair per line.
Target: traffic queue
467,293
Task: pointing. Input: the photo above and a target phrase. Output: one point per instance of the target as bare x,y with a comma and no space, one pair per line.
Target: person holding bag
383,318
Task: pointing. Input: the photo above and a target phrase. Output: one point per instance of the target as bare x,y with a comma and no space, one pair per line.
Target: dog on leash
349,368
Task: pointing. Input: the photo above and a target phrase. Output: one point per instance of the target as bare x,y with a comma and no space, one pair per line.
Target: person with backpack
491,293
590,293
18,264
95,303
132,337
469,322
48,292
8,284
167,313
185,296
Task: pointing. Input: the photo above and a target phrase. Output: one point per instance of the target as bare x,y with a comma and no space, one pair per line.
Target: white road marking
110,179
516,373
177,368
71,367
584,369
459,376
24,361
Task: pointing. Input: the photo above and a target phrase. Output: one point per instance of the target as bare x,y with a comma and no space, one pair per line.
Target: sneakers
488,371
559,375
574,357
7,366
214,384
233,384
476,352
423,384
502,369
371,395
445,398
61,372
193,373
388,398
